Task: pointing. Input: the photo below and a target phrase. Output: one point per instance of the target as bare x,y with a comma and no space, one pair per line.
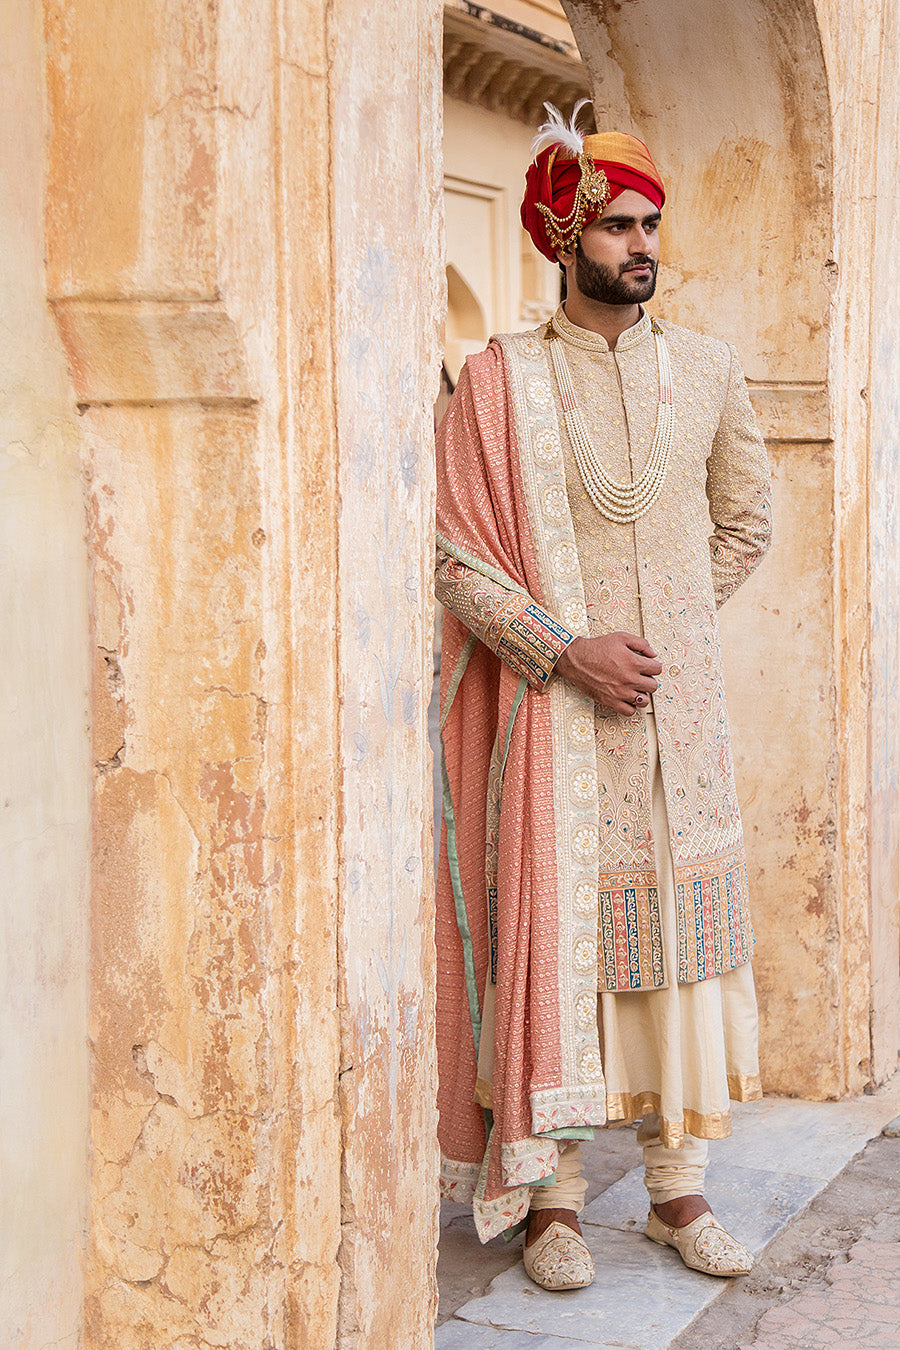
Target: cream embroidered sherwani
678,956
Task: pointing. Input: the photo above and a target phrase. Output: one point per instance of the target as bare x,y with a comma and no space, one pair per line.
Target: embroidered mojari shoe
703,1244
559,1259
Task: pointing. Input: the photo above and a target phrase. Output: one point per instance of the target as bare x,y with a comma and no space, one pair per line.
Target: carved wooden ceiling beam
505,67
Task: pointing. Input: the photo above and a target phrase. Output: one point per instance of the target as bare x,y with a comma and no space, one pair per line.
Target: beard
609,286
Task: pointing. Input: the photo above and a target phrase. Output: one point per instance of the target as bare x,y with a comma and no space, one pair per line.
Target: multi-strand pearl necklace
619,502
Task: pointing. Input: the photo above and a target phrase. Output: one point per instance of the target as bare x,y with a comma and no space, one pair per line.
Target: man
602,490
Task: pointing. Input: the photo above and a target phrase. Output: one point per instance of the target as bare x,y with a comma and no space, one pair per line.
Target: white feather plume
556,131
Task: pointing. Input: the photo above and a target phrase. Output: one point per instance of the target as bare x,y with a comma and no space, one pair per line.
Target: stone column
388,291
884,524
44,766
861,48
243,238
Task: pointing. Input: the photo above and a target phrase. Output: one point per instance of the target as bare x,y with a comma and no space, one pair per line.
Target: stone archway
734,101
769,232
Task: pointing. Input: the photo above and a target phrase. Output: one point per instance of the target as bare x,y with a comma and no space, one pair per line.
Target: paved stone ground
825,1232
466,1270
832,1278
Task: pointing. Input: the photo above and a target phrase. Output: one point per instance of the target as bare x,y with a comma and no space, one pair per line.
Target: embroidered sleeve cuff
509,622
532,642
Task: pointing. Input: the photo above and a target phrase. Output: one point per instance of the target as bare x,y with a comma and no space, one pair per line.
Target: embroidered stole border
624,910
581,1097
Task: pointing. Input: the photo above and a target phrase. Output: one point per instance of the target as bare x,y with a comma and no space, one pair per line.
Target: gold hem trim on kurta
744,1087
624,1107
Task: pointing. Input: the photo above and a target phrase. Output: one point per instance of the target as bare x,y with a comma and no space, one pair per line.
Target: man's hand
615,670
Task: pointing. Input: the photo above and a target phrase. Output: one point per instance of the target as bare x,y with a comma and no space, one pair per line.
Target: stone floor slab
641,1298
781,1154
814,1139
469,1336
860,1307
752,1204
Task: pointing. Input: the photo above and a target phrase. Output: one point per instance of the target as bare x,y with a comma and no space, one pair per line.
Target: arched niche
467,329
733,102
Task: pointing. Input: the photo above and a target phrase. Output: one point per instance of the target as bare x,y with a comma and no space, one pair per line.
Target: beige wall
389,299
43,750
543,16
884,589
863,373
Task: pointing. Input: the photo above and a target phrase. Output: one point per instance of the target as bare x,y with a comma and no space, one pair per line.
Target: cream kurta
681,1052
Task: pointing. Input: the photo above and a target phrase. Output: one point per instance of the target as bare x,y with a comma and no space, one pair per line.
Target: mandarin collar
586,338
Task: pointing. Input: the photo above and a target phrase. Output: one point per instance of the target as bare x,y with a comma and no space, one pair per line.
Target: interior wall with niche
466,328
485,157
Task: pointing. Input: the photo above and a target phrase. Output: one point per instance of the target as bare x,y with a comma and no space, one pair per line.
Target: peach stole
497,1154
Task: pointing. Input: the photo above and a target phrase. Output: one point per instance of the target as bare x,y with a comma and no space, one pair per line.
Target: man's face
616,258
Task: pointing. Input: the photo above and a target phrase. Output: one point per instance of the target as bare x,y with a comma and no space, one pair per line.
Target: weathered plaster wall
230,237
884,585
389,295
855,42
44,823
777,639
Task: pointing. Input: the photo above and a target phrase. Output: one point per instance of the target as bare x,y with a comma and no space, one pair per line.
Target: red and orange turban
573,178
